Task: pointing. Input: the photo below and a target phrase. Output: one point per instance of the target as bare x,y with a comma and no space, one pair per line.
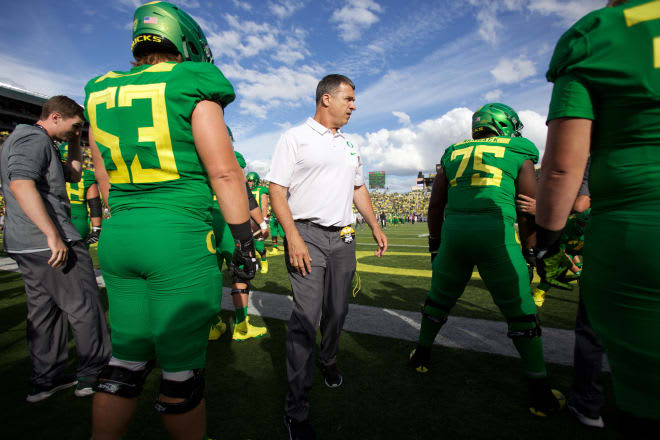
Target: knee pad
190,390
526,326
121,381
434,311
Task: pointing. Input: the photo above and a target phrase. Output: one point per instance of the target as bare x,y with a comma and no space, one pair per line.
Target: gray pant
587,393
320,296
55,296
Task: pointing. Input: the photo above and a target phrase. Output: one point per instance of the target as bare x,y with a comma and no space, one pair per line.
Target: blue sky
421,67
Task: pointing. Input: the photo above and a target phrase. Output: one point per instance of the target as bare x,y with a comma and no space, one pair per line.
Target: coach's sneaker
543,400
331,376
217,330
245,330
264,266
299,430
420,358
84,387
41,392
586,420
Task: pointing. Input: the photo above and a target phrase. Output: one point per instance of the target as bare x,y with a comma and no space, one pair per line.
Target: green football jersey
607,68
78,191
482,174
141,121
258,191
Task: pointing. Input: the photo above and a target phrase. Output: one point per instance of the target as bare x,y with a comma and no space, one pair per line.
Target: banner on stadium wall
376,179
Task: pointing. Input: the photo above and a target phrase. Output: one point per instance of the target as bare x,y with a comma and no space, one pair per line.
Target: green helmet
252,177
499,118
159,26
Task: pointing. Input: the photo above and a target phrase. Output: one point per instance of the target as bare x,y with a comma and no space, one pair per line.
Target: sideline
463,333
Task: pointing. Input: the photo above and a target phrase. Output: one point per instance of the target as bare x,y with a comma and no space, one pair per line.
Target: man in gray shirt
56,267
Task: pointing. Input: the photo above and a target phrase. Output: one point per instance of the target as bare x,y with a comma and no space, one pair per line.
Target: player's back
258,191
141,121
482,174
78,191
614,54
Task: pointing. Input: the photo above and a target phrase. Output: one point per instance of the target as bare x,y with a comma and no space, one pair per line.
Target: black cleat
299,430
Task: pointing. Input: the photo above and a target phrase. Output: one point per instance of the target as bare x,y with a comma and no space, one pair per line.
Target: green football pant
620,286
224,241
276,229
163,282
80,219
489,243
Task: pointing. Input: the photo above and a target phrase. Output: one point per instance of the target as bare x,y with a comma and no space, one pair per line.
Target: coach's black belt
325,228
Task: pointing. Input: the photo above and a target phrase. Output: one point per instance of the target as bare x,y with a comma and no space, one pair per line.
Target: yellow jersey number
76,196
478,151
641,14
159,134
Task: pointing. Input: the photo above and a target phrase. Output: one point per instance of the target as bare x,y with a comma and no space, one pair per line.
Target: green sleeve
446,157
527,149
570,99
573,47
209,83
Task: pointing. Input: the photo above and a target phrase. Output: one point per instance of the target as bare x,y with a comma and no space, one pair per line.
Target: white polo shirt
320,169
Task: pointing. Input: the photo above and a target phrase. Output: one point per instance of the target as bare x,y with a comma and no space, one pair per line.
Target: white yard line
479,335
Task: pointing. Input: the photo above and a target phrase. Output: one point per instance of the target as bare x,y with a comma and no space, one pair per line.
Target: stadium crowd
164,300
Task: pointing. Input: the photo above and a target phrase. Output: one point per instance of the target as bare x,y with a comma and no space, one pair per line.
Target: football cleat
274,252
264,266
217,330
548,404
244,331
420,358
539,296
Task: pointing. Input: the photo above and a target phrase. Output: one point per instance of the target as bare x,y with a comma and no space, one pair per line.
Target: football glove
434,245
550,259
243,265
94,236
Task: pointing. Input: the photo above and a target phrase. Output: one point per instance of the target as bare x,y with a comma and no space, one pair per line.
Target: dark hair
63,105
330,83
156,57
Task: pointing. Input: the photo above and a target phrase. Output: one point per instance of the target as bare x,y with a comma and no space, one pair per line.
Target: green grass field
465,395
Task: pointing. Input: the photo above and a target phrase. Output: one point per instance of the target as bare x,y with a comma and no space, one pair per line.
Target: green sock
241,314
530,350
275,245
263,257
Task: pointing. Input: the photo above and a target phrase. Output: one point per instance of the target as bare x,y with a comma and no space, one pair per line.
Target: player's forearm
437,204
101,175
562,169
526,231
362,202
256,215
281,209
28,198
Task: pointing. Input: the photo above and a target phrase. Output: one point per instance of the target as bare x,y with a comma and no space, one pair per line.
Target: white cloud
282,86
403,118
285,8
406,151
493,95
510,71
242,5
568,11
248,39
261,167
534,128
354,17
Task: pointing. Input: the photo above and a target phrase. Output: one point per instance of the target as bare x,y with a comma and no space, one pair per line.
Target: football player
260,194
605,103
471,222
160,146
224,243
81,195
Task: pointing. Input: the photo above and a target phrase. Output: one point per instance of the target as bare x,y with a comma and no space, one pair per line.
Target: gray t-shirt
30,154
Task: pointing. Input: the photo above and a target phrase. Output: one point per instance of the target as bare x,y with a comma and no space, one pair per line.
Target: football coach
315,177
